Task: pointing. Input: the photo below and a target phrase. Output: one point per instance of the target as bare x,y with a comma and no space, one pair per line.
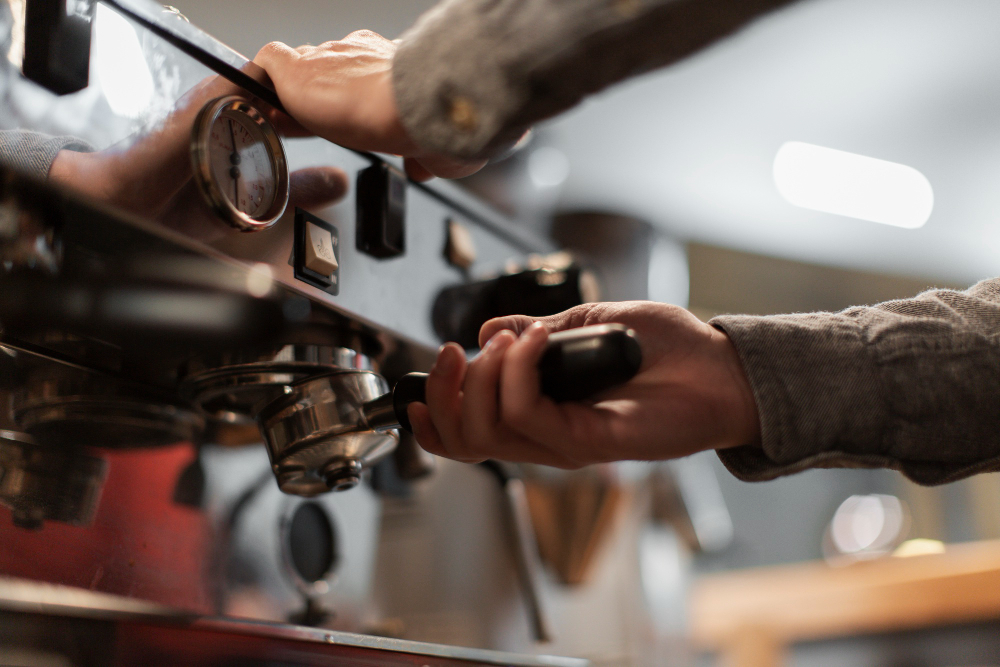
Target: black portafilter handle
577,364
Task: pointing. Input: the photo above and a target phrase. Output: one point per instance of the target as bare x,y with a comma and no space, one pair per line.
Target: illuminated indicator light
855,186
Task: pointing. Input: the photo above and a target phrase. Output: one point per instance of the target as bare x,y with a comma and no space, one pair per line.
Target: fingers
423,428
493,408
444,398
515,323
449,167
480,401
424,168
579,316
416,171
316,187
522,406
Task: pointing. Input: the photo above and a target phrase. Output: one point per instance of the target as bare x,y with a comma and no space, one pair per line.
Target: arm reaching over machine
473,75
909,385
342,91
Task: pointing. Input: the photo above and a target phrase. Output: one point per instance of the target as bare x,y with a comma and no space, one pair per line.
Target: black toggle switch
381,197
57,44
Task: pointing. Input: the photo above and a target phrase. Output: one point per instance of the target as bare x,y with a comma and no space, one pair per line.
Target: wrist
385,108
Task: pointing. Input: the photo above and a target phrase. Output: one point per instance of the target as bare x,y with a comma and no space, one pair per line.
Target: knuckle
598,313
273,49
577,316
364,34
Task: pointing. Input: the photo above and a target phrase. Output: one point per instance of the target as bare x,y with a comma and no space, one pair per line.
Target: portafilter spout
326,430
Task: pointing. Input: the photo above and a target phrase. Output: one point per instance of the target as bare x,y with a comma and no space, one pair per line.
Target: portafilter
327,429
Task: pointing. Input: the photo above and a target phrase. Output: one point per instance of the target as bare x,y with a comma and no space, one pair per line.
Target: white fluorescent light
855,186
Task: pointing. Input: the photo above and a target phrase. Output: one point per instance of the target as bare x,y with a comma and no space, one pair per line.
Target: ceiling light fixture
855,186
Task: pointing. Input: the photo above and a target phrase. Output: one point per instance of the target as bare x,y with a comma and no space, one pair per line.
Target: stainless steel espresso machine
195,348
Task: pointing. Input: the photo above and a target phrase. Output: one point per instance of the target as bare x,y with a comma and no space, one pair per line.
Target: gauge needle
234,159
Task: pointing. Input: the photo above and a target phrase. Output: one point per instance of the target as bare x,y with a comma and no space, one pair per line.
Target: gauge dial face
240,164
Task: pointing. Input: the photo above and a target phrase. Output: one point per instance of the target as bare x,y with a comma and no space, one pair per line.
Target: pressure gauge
239,164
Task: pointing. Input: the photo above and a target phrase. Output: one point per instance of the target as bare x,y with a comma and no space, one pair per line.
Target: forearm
910,384
472,75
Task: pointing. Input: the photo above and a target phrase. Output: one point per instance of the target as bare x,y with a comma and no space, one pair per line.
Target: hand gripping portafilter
327,429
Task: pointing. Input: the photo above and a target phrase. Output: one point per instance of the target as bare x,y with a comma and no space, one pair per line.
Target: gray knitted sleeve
912,385
33,152
472,75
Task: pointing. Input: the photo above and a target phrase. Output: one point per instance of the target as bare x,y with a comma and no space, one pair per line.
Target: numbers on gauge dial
241,163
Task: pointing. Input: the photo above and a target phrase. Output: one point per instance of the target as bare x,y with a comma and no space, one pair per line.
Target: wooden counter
749,617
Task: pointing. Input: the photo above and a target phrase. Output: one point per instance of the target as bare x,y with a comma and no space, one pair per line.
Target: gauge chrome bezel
205,178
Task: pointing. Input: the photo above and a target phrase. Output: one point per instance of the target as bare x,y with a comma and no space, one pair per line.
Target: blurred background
687,156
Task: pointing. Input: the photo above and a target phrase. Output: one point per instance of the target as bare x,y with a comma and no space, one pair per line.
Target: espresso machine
200,333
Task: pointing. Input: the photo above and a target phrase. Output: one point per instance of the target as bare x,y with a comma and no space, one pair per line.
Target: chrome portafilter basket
318,434
307,402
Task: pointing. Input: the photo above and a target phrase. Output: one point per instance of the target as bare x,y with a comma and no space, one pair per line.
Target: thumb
316,187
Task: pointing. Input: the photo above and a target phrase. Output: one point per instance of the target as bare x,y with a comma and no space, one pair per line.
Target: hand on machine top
691,394
342,91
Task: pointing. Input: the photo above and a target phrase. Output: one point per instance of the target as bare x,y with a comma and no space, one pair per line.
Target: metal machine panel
142,333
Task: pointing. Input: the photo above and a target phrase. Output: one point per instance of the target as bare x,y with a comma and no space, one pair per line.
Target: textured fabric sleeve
912,385
472,75
33,152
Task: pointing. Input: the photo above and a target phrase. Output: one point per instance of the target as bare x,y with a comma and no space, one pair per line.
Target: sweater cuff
751,464
32,153
817,392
